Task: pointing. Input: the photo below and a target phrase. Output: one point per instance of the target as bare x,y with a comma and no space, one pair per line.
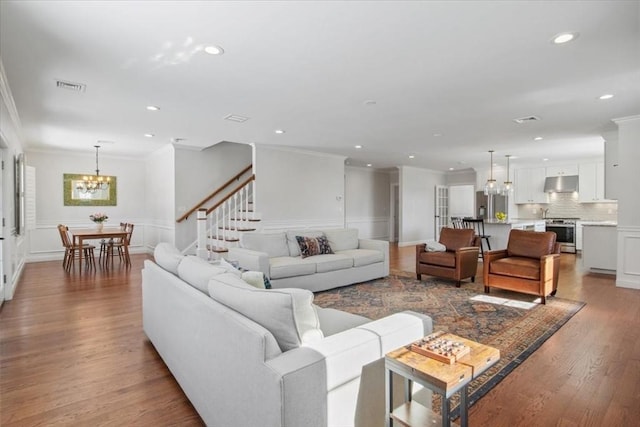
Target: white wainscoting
370,227
628,269
45,243
297,224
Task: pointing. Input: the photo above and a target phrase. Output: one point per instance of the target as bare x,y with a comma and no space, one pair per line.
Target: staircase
221,225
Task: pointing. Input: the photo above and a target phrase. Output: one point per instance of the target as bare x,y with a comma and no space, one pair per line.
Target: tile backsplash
566,205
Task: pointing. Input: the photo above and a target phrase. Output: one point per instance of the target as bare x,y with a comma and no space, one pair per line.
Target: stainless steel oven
565,229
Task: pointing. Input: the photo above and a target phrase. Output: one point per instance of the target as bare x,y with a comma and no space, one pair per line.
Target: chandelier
92,183
491,187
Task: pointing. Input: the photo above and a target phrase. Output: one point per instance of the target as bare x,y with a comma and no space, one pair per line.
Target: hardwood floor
72,352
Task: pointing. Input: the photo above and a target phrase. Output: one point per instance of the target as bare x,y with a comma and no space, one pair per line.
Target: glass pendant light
491,187
507,187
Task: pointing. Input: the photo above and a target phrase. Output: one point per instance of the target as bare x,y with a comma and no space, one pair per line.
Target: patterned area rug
516,332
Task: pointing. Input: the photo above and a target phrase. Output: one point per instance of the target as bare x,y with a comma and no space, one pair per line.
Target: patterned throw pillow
310,246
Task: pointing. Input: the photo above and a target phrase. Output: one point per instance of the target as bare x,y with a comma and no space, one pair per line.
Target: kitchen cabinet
599,243
591,183
529,186
578,235
562,170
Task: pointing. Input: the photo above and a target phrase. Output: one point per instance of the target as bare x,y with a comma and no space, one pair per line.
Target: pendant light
91,184
507,187
491,187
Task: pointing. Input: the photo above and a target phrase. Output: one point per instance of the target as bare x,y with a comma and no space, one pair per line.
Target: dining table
82,234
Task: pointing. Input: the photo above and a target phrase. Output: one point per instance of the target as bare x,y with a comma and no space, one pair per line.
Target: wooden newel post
202,251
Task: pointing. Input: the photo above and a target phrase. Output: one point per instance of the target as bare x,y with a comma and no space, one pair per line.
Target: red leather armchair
458,262
530,264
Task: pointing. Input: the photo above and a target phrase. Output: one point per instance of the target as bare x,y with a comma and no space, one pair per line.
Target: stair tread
237,228
219,250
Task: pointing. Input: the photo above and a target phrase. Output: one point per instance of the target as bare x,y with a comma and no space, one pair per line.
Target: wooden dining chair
71,250
118,245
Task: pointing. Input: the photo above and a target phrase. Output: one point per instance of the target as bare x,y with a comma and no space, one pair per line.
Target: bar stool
477,224
456,222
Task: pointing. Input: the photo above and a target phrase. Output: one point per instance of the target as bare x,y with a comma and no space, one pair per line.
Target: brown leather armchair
458,262
530,264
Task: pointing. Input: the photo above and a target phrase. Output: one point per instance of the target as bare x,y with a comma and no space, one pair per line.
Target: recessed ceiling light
538,138
450,169
279,131
368,165
412,156
149,135
152,108
214,50
437,134
606,96
564,38
358,146
370,102
545,159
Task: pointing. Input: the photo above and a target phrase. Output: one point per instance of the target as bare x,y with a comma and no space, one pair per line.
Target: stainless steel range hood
561,184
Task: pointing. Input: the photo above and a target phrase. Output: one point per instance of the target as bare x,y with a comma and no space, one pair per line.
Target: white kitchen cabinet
529,186
591,183
578,235
562,170
600,245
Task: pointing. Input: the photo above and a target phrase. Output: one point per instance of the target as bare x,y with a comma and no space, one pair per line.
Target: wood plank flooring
73,353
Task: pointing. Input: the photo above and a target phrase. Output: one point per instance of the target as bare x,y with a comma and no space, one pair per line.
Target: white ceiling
461,70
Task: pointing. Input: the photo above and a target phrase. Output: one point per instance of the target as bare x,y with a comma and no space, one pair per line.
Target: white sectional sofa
277,255
267,357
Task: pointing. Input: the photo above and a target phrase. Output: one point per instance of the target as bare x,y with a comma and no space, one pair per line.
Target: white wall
628,269
11,144
159,182
367,202
417,204
462,200
44,242
200,172
296,189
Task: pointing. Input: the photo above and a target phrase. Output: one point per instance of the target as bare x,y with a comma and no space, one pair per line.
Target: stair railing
220,227
218,191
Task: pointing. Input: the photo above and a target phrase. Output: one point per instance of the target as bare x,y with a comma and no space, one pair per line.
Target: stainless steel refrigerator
483,210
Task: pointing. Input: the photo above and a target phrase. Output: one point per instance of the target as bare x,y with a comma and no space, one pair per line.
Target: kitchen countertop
513,221
599,223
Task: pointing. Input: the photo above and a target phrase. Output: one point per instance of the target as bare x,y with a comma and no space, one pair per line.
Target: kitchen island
499,230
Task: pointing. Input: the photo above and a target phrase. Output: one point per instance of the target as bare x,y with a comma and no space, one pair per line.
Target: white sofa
267,357
277,255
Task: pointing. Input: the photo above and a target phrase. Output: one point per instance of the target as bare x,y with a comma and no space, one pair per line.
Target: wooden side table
442,378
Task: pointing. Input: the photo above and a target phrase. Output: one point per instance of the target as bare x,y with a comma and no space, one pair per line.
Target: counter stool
477,224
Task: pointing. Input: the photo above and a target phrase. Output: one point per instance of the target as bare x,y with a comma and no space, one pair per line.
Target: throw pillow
292,241
289,314
310,246
254,278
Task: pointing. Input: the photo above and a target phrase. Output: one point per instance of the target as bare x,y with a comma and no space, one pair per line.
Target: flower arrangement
98,217
501,216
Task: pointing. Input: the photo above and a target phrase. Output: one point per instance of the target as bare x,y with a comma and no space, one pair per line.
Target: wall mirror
74,195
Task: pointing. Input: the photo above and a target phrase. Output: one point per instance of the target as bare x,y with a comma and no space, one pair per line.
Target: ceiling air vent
526,119
236,118
77,87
